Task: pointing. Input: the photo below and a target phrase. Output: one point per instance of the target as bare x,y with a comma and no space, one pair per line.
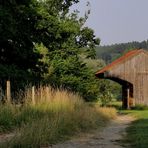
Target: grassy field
138,131
51,120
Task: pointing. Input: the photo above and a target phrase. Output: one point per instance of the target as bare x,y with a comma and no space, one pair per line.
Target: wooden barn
131,71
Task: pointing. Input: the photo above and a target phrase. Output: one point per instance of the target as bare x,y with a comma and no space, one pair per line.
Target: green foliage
64,67
106,98
116,104
93,64
140,107
109,91
18,77
17,34
12,116
73,74
41,41
6,118
87,40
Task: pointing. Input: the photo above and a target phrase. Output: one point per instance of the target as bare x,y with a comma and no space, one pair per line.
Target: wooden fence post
128,98
47,92
41,93
33,95
8,91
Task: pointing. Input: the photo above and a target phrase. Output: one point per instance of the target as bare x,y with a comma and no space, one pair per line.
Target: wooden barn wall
135,71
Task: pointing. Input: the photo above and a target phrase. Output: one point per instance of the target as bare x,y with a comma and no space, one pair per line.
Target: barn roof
120,60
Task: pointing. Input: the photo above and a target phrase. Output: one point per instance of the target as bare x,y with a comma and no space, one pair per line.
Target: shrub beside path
109,137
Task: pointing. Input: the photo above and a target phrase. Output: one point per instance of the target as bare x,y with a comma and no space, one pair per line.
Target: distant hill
112,52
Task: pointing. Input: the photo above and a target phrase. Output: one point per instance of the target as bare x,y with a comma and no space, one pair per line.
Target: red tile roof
119,60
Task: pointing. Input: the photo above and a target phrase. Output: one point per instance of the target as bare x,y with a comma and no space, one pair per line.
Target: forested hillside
111,52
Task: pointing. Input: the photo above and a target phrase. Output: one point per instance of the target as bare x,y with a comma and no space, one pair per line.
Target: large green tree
17,37
67,38
41,41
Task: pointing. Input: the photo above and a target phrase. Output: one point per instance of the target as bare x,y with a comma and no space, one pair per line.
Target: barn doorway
127,92
127,95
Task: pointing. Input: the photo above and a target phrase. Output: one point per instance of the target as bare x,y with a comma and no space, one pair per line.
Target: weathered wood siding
135,71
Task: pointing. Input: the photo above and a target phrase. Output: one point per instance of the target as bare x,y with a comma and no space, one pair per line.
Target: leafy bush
106,98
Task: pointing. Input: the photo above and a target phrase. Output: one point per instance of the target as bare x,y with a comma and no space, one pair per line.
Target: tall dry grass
54,117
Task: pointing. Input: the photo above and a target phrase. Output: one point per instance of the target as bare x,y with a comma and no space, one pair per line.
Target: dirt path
5,137
108,138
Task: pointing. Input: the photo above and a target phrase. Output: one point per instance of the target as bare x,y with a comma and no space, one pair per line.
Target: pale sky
117,21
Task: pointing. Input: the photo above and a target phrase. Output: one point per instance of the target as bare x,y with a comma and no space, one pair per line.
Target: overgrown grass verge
137,132
48,122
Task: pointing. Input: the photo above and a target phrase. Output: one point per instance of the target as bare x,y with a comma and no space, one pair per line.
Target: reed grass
51,119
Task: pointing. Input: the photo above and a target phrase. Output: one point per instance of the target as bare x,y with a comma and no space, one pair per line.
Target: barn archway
127,91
